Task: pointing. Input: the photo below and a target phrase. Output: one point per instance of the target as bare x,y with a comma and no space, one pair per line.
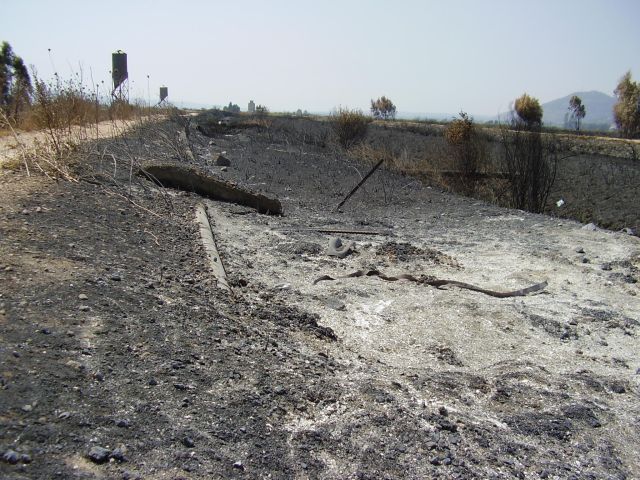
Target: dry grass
62,116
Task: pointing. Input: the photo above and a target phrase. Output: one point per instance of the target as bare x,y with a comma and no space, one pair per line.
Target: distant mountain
598,106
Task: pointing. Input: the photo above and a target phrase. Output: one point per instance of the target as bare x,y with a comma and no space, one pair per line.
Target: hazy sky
427,56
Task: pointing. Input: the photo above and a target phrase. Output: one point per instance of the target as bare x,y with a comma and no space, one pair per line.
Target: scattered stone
618,387
84,308
238,465
11,457
153,382
123,423
82,296
443,411
116,277
591,227
335,304
25,458
338,249
180,386
579,250
224,169
27,408
46,331
606,266
25,212
188,442
118,455
280,390
585,260
99,454
222,161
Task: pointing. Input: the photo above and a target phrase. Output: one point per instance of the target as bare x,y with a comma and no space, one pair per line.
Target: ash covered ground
122,359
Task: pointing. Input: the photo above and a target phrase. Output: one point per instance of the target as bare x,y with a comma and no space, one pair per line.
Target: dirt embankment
121,359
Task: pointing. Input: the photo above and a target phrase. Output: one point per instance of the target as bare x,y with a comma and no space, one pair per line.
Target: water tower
164,93
120,75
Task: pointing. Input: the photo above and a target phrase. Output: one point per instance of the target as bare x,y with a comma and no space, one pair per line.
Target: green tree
15,82
626,111
577,109
529,111
383,109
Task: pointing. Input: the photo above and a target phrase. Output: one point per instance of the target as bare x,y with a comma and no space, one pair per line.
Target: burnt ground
114,335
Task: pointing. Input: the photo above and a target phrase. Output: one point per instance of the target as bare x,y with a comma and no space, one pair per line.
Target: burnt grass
114,335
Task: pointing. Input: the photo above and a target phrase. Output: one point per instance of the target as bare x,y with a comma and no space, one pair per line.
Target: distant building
252,107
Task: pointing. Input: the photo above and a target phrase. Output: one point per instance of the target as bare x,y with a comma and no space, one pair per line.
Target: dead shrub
469,152
530,163
349,126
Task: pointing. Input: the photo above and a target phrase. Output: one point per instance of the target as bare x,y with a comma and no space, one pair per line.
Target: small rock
46,331
118,455
435,461
123,423
606,266
222,161
617,387
82,296
116,277
335,304
11,457
99,454
280,390
443,411
25,212
238,465
25,458
188,442
224,169
180,386
84,308
27,408
590,227
579,250
153,382
585,260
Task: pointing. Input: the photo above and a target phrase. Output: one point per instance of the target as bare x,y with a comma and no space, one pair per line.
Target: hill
599,107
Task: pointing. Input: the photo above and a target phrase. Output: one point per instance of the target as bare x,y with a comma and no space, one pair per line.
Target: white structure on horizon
252,107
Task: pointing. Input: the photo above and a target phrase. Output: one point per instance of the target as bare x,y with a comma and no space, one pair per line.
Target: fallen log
193,179
438,283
